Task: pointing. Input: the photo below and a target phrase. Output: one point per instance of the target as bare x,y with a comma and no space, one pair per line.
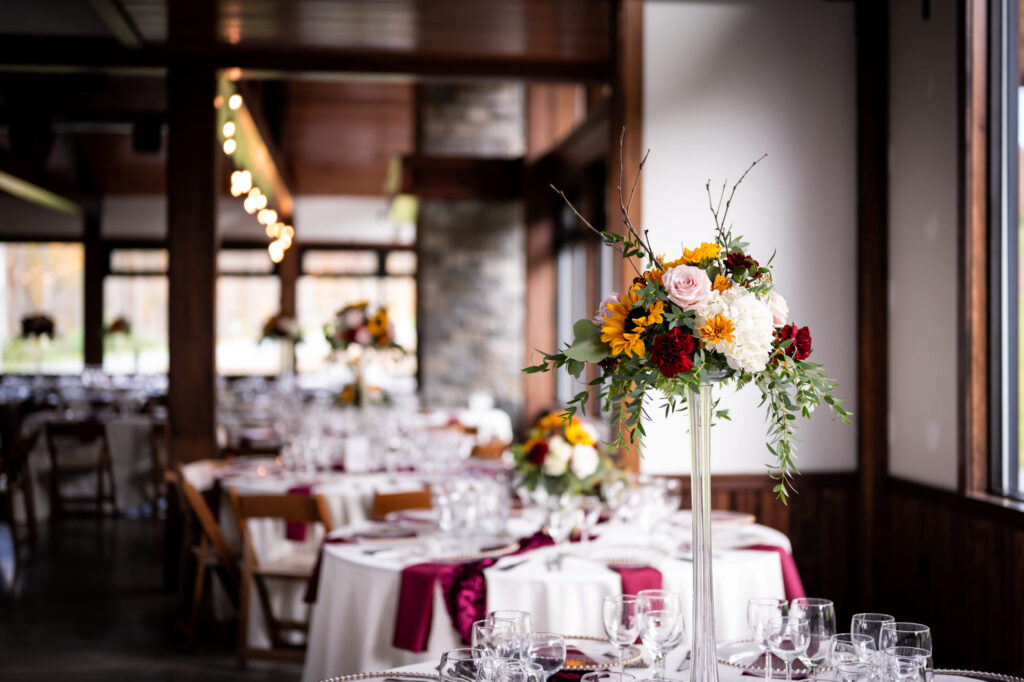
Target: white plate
586,654
620,555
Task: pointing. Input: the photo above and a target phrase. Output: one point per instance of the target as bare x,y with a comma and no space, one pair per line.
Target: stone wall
472,262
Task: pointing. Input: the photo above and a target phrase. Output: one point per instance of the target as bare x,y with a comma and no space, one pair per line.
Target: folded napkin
636,578
465,590
778,668
790,575
296,530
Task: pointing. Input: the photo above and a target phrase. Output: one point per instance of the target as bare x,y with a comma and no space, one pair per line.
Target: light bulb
261,201
218,102
228,129
234,102
288,230
244,180
267,216
276,252
273,230
234,74
285,241
230,146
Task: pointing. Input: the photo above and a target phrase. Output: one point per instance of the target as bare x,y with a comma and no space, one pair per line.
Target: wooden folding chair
386,503
204,541
61,438
16,478
158,450
298,567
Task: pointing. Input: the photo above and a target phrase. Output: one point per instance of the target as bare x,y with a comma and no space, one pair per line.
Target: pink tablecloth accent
635,579
790,575
296,531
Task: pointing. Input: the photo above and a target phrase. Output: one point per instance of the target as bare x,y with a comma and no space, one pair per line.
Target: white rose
779,308
604,310
584,460
557,459
688,287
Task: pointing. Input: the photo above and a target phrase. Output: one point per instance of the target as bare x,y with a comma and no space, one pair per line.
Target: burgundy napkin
296,530
778,668
639,578
338,465
465,591
790,575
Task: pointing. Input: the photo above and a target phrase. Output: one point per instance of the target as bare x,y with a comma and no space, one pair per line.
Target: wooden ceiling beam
119,22
448,177
84,53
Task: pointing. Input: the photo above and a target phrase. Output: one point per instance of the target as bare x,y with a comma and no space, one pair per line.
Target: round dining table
353,622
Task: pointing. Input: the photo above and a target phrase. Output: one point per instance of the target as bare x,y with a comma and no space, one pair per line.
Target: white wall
725,82
923,218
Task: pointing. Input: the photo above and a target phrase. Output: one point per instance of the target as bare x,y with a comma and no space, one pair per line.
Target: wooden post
192,245
94,271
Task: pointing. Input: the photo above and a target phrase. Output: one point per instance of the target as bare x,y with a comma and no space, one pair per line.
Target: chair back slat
292,508
386,503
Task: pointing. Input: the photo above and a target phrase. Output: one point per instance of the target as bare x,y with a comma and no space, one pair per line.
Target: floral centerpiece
356,325
119,326
563,456
281,327
356,393
37,325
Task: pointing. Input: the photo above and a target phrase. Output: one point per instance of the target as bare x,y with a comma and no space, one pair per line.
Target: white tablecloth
353,621
130,450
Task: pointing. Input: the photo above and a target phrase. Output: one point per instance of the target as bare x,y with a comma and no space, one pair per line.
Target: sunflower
721,283
624,327
551,421
378,324
717,329
706,251
577,434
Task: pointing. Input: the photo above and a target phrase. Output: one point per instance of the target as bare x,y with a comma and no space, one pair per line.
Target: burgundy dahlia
801,346
538,452
736,260
672,352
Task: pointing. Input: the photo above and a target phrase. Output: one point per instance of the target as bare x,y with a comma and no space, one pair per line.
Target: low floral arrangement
710,315
358,393
38,325
281,327
120,325
563,456
356,325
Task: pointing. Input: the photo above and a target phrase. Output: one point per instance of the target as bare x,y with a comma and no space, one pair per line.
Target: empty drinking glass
851,655
903,634
547,650
496,637
821,625
788,638
906,663
523,623
590,514
607,676
519,671
459,665
871,624
761,612
621,622
662,631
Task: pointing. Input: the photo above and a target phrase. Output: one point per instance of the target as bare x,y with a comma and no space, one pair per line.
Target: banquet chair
158,450
63,438
387,503
204,542
297,566
16,478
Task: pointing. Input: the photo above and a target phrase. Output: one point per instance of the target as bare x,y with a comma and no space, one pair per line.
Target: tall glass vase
703,659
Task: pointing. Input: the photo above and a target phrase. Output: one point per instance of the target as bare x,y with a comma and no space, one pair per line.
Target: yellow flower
577,434
716,330
721,283
378,324
348,395
551,421
623,329
655,274
706,251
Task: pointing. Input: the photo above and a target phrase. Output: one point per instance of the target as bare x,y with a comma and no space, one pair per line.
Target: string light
230,146
235,102
288,230
229,129
241,182
273,230
285,240
276,251
267,216
218,102
254,201
234,73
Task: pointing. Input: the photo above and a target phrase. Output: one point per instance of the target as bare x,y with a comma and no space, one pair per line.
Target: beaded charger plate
386,676
489,552
745,655
587,654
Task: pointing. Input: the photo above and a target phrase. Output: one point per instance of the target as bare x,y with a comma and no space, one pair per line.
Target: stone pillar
472,263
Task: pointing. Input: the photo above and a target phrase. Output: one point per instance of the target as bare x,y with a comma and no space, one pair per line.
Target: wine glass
547,650
761,612
459,665
871,624
788,638
662,631
851,655
821,625
903,634
523,624
496,637
906,663
621,622
664,601
590,514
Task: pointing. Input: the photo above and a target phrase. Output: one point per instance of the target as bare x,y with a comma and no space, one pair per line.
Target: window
334,278
42,279
136,291
248,293
1006,307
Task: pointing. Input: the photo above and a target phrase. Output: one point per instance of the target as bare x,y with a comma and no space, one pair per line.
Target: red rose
736,260
538,452
801,346
672,352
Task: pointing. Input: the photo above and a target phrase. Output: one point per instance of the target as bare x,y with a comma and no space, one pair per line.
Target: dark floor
90,605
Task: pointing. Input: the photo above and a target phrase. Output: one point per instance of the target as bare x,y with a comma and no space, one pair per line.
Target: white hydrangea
585,460
752,339
557,459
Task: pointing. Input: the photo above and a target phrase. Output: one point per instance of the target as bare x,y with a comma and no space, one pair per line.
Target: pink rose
604,310
779,308
363,336
688,287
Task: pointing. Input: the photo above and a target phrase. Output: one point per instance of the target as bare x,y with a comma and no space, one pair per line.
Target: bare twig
733,192
587,223
622,206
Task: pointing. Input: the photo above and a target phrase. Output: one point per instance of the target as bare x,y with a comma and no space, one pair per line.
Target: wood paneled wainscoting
821,521
957,564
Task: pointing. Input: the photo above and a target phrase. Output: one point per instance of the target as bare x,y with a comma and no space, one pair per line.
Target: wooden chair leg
197,593
245,591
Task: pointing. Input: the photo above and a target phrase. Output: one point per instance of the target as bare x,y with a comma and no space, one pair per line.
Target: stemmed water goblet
590,514
761,612
547,650
851,655
788,638
560,523
621,616
661,624
523,624
820,615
